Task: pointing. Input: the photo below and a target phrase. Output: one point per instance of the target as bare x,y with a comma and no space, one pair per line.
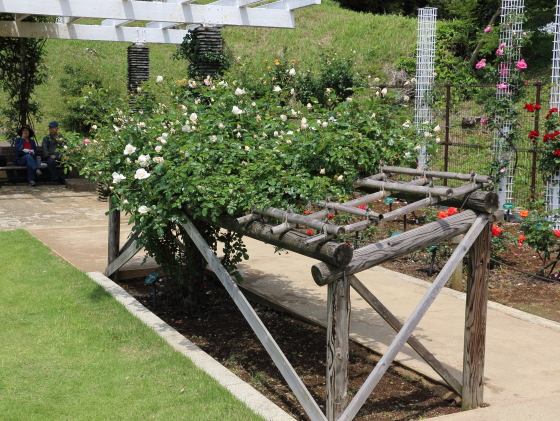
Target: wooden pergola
340,263
168,20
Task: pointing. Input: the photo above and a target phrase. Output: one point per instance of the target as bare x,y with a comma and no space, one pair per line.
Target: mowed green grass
71,352
374,42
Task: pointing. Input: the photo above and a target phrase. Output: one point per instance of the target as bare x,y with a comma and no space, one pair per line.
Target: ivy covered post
509,49
425,65
553,183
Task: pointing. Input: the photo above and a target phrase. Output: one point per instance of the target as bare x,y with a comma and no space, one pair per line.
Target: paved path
522,374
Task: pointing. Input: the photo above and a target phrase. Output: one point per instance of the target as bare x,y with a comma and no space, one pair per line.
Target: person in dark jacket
52,145
26,152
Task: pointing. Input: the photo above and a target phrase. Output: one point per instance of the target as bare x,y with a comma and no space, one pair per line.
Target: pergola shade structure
166,19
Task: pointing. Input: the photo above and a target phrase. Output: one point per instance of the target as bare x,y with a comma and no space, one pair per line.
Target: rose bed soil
219,329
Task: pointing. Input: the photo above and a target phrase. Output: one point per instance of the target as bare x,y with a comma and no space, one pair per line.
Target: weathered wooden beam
335,253
338,326
355,202
349,209
475,321
303,220
114,238
287,371
419,312
126,254
405,187
389,248
412,341
480,201
437,174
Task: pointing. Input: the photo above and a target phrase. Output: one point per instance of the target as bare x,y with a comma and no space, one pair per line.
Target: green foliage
219,149
549,159
541,238
22,71
190,50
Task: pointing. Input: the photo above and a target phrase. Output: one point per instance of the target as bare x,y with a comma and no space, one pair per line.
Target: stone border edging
254,400
513,312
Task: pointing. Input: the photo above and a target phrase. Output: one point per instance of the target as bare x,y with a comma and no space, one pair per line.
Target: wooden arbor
340,264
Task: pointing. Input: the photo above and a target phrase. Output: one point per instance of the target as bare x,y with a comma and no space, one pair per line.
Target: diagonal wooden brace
419,312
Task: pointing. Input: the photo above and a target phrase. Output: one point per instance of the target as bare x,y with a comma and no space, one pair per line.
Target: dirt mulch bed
221,331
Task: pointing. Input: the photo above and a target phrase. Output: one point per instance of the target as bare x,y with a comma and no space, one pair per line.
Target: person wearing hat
52,143
26,152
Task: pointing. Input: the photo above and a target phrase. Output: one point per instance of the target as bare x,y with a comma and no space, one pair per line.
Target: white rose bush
240,151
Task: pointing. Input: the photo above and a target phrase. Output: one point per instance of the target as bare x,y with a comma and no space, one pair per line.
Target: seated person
26,152
52,145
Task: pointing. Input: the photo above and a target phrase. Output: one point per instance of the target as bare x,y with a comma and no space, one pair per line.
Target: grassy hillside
375,43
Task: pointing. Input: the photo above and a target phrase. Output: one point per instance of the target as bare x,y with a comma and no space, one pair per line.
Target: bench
16,173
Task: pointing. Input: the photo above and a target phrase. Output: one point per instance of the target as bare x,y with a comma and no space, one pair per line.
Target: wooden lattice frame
338,267
163,18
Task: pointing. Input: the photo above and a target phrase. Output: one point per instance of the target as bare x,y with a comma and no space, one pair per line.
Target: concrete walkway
522,372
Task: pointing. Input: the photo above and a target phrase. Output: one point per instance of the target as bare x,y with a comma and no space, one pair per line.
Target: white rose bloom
438,140
236,110
129,149
406,98
158,159
239,91
283,117
247,148
277,89
128,161
324,124
94,127
407,82
407,155
275,134
288,141
292,91
159,79
117,177
376,79
309,105
294,113
158,148
349,99
376,93
427,134
186,128
221,125
213,138
163,141
417,147
143,209
138,89
322,171
141,174
372,115
292,72
238,134
384,91
406,123
193,117
437,128
290,132
340,177
143,160
141,124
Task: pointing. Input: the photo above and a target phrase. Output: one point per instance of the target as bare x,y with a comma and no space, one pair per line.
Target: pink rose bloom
487,29
484,121
502,86
86,141
502,45
481,64
504,71
521,65
499,52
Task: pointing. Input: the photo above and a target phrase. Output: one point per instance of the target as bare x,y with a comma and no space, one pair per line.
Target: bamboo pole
473,177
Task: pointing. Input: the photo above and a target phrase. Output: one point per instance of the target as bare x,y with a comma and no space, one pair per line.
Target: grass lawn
71,352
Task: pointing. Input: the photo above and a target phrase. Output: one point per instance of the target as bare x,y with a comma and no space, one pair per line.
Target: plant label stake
389,201
508,206
151,279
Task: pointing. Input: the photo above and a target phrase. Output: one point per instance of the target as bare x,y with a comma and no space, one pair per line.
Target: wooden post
114,238
457,276
338,316
475,321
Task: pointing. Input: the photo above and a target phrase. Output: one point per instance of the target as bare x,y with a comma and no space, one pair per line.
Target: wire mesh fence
467,142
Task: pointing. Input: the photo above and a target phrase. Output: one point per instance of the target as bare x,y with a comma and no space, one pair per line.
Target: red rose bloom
520,239
556,233
363,207
524,213
307,212
310,232
442,215
557,152
451,211
496,230
330,216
